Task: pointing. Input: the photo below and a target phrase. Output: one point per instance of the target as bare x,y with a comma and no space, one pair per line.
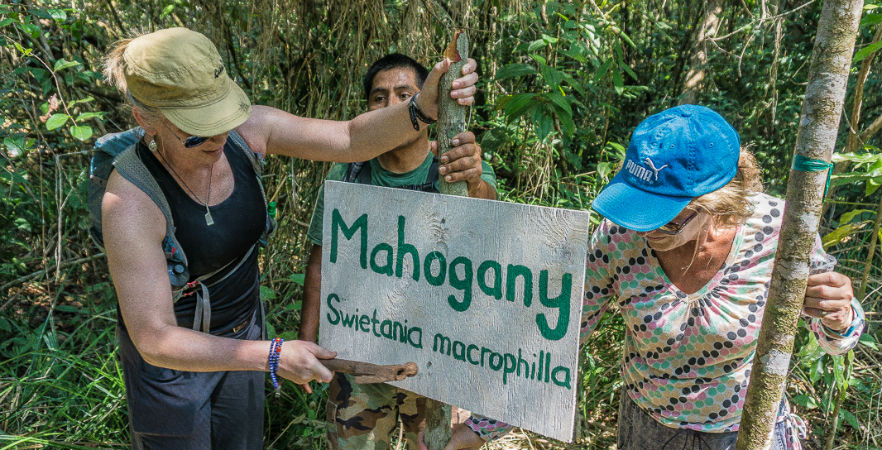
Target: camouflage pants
363,416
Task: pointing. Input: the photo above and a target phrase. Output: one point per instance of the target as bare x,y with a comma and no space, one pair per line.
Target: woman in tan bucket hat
195,379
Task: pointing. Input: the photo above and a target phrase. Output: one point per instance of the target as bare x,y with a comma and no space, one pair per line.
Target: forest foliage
562,86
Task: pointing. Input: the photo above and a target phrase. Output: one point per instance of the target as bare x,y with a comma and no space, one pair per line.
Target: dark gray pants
172,409
639,431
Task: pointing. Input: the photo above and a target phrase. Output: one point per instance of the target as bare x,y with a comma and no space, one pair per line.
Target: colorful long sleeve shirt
687,357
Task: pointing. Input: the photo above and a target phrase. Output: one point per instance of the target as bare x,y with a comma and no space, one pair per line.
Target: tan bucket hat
180,72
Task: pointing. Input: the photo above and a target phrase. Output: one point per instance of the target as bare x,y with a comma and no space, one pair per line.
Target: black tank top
239,222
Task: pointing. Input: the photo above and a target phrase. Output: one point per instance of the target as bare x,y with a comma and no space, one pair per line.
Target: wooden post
452,115
451,121
816,138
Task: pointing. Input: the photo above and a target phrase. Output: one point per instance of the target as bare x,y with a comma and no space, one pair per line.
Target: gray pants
172,409
639,431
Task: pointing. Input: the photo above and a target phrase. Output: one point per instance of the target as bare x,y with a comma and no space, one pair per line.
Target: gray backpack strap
130,167
202,316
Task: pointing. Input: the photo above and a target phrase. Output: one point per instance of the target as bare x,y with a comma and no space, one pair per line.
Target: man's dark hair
394,61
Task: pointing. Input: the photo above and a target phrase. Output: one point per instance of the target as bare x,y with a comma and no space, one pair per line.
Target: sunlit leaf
861,54
58,14
166,11
868,339
536,45
15,145
871,19
849,216
82,132
841,234
56,121
89,115
62,64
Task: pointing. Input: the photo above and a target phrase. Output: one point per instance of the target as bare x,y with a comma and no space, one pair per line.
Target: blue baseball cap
674,156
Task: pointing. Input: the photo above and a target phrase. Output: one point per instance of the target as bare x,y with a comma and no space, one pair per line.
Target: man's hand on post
463,163
462,89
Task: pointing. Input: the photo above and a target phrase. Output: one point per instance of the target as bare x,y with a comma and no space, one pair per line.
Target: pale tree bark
821,110
451,121
695,78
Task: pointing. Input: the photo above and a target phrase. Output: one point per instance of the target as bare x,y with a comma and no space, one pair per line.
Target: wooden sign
484,296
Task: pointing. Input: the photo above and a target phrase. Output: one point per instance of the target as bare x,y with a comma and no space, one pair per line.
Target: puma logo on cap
642,172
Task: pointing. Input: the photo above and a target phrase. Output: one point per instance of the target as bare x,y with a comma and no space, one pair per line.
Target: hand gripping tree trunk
824,98
451,121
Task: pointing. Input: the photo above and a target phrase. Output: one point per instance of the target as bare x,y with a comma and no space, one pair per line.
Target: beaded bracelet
273,359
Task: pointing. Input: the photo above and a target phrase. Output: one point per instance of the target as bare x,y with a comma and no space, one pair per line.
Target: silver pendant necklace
209,221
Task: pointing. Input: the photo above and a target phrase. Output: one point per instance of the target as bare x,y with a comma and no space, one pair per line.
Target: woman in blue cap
686,254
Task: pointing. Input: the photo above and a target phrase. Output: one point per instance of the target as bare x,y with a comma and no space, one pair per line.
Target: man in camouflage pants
364,416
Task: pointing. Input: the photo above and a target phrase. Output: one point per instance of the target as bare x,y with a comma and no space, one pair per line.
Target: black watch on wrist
416,114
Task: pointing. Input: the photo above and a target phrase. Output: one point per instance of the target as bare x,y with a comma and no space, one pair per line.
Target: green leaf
603,70
849,216
62,64
298,278
82,132
562,102
840,234
539,59
872,185
860,158
544,122
89,115
805,401
83,100
536,45
166,11
850,419
267,293
628,70
30,29
618,82
22,224
67,309
549,39
517,104
868,340
6,22
15,145
863,53
515,70
56,121
871,19
58,14
22,50
297,305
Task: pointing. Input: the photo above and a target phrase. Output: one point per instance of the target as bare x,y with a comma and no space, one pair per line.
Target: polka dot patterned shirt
687,357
